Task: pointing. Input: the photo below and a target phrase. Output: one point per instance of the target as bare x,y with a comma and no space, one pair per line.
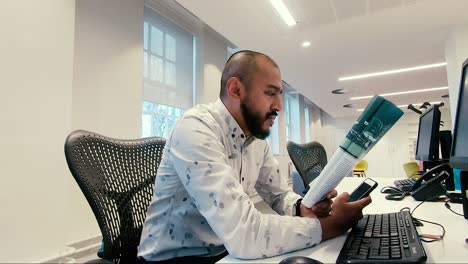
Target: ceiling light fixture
401,106
305,44
340,91
367,75
399,93
284,12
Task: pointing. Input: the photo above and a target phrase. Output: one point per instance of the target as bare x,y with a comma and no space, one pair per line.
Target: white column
456,52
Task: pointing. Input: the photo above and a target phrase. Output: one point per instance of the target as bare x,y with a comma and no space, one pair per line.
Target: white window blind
159,120
168,62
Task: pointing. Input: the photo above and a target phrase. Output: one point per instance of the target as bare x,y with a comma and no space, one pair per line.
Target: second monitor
427,146
429,140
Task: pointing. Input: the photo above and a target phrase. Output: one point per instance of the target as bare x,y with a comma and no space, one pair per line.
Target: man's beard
255,121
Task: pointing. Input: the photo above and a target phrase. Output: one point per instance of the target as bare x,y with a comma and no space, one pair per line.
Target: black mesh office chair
117,178
309,160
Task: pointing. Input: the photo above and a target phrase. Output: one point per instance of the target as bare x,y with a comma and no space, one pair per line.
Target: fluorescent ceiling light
367,75
305,44
432,103
399,93
284,12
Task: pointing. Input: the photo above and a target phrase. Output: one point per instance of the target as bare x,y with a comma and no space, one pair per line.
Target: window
293,121
287,111
159,56
168,73
159,120
230,51
273,139
306,124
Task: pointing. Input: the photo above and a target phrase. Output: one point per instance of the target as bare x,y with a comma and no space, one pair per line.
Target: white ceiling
348,37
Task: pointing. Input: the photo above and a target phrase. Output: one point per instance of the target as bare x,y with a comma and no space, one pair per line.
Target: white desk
452,249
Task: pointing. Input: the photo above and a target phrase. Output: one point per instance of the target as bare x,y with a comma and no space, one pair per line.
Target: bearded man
214,159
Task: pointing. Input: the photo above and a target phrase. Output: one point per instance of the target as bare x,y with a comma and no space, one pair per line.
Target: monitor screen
459,153
427,146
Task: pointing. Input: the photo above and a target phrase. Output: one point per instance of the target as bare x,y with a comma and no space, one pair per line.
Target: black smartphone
363,190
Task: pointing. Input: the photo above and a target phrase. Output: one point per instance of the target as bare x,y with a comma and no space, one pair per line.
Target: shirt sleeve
201,161
274,188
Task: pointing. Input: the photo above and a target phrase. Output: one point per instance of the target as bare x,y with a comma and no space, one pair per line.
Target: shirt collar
232,128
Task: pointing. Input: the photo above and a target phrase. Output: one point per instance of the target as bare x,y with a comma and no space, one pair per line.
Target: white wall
108,68
387,157
36,88
59,75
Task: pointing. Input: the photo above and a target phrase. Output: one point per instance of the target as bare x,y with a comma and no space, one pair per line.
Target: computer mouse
299,260
390,189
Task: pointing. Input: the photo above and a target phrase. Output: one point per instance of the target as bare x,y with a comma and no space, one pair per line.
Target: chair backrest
412,169
117,178
309,160
361,166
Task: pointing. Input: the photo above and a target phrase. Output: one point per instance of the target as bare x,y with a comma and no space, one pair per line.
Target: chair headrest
309,159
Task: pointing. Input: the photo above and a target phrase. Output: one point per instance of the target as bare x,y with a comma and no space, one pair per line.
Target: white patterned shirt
201,203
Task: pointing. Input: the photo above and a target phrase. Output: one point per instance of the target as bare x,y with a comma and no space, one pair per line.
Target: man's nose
278,104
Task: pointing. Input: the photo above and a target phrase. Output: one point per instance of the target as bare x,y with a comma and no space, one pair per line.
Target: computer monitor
459,152
427,146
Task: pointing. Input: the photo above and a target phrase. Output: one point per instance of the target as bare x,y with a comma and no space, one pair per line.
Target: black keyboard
405,184
383,238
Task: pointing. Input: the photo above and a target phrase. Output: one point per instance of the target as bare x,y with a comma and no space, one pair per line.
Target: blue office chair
117,178
309,159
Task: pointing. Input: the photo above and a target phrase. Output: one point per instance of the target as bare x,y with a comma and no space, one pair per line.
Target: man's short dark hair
242,65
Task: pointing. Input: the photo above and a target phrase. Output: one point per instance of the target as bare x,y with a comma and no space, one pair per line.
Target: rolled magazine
378,117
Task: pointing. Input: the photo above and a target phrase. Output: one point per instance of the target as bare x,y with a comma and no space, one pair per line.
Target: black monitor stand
449,182
464,191
427,165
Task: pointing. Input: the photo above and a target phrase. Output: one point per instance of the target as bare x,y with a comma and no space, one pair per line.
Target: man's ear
233,88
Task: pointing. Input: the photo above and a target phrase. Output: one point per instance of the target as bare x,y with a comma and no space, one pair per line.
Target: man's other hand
321,208
343,216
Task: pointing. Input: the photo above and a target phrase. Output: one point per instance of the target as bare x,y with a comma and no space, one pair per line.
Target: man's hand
343,216
321,208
